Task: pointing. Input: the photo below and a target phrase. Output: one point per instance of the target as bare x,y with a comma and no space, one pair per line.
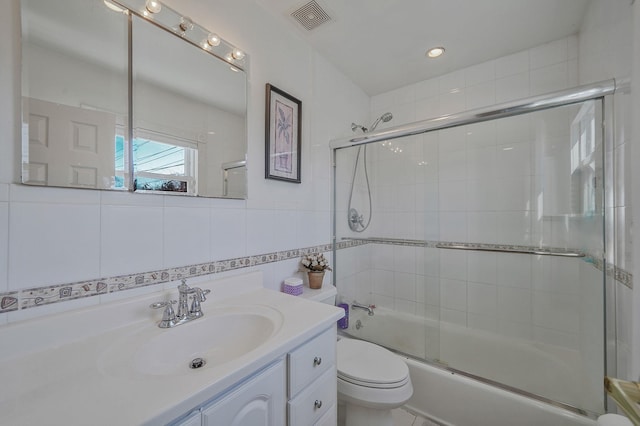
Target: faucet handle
168,316
158,305
198,297
200,294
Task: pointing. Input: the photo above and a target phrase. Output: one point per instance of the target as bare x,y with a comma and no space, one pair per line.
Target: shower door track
444,366
522,106
495,248
537,251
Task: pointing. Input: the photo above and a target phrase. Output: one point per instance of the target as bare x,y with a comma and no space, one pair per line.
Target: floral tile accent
231,264
9,302
263,258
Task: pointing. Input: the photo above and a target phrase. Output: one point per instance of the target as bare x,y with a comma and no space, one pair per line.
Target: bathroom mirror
188,115
187,106
74,93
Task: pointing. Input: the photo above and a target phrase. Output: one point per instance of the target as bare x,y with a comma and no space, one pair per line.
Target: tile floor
402,417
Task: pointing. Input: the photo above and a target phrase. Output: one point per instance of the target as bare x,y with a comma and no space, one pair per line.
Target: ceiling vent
310,15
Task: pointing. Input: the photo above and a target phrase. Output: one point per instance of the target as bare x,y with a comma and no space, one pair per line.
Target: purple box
344,321
292,286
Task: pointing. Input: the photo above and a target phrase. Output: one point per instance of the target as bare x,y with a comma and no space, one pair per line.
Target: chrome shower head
386,117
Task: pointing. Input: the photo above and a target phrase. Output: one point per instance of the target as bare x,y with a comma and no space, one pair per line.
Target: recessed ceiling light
434,52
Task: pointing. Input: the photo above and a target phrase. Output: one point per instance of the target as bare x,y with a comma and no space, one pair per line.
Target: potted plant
315,265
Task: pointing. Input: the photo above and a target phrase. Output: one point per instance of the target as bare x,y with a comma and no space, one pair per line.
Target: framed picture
283,132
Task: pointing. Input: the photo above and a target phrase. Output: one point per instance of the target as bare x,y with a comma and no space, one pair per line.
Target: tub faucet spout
368,308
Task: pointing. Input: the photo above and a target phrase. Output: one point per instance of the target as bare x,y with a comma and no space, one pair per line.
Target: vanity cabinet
299,392
260,401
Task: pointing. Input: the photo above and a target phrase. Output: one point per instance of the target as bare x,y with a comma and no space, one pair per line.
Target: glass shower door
482,248
517,306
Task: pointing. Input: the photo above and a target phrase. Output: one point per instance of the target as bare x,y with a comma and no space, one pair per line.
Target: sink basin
221,335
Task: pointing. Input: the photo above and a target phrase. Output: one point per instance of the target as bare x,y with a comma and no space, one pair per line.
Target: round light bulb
237,54
153,6
213,40
113,6
434,52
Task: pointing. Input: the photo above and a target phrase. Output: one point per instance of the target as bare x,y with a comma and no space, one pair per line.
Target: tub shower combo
480,237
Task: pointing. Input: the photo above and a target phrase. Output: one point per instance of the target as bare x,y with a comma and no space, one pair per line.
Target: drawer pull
317,404
317,361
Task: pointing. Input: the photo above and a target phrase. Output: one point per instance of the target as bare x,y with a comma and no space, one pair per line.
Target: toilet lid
370,365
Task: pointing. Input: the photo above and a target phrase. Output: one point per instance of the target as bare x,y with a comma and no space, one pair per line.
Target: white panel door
258,402
68,146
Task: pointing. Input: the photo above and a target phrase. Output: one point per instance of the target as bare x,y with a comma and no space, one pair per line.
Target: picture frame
283,136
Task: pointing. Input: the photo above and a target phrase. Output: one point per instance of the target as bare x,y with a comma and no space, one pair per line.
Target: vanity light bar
184,27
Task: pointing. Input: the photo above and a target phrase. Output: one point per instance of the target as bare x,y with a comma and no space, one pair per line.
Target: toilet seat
365,364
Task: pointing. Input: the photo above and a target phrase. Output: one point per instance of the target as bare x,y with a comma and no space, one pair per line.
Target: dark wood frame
273,93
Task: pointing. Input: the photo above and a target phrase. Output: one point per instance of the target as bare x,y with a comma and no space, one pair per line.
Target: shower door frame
601,91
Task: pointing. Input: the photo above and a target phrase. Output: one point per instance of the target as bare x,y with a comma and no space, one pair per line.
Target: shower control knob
317,361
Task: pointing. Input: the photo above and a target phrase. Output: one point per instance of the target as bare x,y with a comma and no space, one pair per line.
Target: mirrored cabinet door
75,96
189,115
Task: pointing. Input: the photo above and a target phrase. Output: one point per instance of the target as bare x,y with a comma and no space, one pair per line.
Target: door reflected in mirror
188,107
74,86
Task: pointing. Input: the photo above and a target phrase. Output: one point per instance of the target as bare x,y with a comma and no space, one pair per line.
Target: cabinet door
258,402
193,419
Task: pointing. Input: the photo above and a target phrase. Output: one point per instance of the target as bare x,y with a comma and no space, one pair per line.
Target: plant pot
315,279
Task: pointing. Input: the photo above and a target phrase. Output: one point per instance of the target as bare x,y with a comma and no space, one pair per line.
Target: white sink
223,334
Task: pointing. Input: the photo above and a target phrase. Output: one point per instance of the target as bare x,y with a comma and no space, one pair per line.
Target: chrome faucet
368,308
185,313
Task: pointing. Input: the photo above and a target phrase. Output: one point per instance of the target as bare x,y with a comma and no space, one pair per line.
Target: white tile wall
53,243
480,186
50,235
4,236
228,233
186,235
612,29
126,249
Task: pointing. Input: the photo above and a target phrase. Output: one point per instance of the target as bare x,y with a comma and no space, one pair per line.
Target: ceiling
381,44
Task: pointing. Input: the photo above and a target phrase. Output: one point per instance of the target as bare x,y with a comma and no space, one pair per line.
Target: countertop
72,380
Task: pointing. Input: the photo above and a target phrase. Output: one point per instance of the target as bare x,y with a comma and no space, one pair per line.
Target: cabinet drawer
330,418
311,360
316,400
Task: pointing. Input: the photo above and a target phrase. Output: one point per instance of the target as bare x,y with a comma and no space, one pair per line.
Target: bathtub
450,398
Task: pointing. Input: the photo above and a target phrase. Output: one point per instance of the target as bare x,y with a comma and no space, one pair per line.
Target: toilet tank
326,294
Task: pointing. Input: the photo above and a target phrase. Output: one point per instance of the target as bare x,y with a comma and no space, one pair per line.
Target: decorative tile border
40,296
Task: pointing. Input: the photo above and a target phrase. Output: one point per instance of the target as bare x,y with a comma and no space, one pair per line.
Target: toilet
371,379
371,382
